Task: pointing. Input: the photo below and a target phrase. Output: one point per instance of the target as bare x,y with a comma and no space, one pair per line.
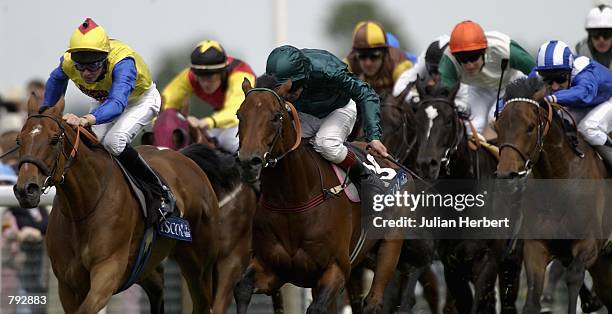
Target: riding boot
605,152
368,184
158,194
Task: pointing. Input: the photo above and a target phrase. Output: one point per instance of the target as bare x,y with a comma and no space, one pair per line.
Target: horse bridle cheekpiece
59,141
270,161
542,131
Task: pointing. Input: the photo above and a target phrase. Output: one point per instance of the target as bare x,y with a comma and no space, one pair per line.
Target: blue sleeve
582,92
56,86
124,81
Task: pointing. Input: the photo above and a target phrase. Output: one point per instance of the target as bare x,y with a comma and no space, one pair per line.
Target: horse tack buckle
269,162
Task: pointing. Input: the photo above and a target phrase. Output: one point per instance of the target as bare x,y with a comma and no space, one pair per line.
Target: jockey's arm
410,75
124,82
366,98
234,96
177,92
520,59
581,94
56,86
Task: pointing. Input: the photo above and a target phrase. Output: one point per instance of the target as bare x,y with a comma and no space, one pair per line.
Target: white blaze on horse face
37,129
432,113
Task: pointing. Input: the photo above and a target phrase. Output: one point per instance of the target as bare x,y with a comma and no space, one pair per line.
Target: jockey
427,68
114,75
580,83
325,94
598,44
373,60
475,58
215,78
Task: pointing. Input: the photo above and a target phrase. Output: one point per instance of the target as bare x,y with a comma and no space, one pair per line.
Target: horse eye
18,141
54,140
531,128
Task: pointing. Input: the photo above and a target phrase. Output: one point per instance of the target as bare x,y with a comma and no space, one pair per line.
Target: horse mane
220,167
531,88
266,81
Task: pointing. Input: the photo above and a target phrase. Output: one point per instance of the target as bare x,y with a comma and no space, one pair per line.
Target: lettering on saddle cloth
175,228
387,175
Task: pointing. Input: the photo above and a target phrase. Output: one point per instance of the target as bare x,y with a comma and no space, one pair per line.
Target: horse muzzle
250,168
28,195
429,169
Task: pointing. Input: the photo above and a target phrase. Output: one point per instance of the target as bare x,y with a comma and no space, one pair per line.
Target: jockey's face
601,41
370,61
473,67
556,81
210,82
294,94
91,76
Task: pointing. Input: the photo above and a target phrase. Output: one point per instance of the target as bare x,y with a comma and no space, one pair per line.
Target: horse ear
539,95
284,89
33,105
453,91
58,109
421,85
246,86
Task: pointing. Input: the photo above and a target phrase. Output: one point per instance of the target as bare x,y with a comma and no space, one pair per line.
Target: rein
404,149
268,159
529,163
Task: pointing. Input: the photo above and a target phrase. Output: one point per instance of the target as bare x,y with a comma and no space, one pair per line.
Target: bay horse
300,236
445,153
533,142
96,225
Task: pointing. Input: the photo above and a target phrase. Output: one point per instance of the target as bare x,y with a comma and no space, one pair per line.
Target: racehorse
444,152
532,137
301,234
171,130
399,128
96,225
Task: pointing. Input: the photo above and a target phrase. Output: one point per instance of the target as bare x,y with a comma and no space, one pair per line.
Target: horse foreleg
229,270
509,282
554,273
69,298
153,286
429,282
386,262
355,289
254,280
326,292
408,298
484,285
277,302
458,295
575,272
536,258
104,281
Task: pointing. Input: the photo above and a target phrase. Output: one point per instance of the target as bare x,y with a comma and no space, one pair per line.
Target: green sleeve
366,99
448,72
520,59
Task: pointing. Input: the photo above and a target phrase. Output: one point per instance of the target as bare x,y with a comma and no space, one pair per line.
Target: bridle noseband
51,174
542,131
270,161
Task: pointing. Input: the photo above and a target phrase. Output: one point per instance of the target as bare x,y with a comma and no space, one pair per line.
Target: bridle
404,149
452,149
270,161
543,127
54,177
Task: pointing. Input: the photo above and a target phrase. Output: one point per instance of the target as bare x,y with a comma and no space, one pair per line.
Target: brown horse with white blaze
96,225
300,236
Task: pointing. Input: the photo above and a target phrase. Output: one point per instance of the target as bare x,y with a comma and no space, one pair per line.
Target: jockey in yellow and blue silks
117,78
215,78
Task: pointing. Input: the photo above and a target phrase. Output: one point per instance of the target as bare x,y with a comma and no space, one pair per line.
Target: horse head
397,121
521,127
43,155
439,128
265,130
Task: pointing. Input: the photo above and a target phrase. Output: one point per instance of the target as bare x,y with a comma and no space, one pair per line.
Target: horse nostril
433,163
256,161
32,188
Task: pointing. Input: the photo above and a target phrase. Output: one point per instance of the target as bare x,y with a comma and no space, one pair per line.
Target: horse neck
85,181
556,156
461,160
294,179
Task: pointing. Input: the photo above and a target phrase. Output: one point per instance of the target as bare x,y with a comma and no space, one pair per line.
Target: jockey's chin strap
53,176
270,161
529,163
